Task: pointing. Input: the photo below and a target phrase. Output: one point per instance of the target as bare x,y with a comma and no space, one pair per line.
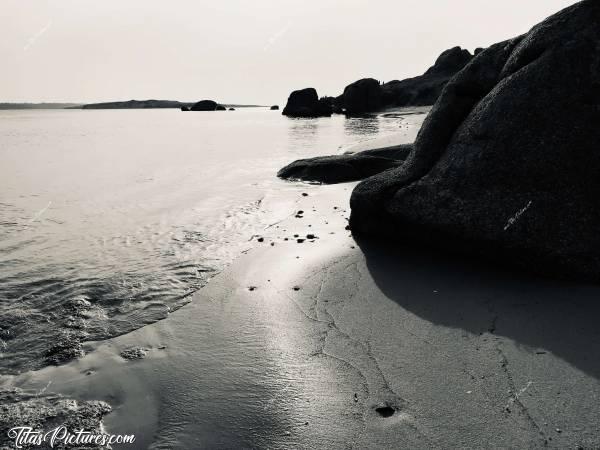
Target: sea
111,219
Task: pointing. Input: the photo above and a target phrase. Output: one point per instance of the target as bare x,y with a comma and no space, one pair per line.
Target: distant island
128,104
148,104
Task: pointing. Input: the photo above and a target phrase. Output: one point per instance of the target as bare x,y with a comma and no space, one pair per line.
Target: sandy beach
342,344
302,225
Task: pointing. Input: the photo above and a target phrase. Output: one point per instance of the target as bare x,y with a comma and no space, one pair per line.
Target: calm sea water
110,219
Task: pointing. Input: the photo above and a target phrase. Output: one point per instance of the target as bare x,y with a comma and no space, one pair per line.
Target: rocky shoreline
505,164
369,95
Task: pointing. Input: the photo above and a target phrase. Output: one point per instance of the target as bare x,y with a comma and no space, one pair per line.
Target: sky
236,51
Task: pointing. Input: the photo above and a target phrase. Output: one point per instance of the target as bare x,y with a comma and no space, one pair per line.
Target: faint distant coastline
39,105
147,104
129,104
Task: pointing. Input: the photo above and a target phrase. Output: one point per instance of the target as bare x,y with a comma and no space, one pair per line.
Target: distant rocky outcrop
220,108
274,108
363,96
345,168
231,109
185,108
204,105
506,164
306,103
369,95
426,89
333,103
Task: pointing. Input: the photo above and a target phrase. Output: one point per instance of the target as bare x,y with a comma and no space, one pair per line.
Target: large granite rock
363,96
507,163
306,103
426,89
345,168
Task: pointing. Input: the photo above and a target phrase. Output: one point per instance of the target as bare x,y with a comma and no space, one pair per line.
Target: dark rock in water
363,96
506,164
274,108
134,353
204,105
306,103
231,109
185,108
345,168
220,108
334,104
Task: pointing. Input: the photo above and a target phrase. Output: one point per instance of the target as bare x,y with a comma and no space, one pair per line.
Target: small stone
304,194
252,288
261,239
310,236
299,241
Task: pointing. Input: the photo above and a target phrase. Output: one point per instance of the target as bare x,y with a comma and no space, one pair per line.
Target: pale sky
236,51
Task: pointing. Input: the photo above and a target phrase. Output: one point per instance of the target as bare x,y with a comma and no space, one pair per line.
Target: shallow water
110,219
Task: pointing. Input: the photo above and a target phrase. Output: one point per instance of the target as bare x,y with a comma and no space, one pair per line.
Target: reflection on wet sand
361,126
